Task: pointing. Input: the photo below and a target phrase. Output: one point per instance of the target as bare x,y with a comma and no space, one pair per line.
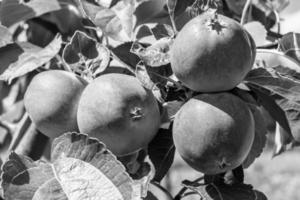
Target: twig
162,189
62,62
180,194
245,11
171,10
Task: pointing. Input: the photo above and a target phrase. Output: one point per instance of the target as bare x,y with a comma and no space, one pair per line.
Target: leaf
259,138
5,36
231,177
153,79
162,31
135,164
116,22
83,168
281,136
21,177
50,190
172,107
257,31
236,6
142,75
155,55
95,155
123,53
277,80
156,192
14,11
278,114
30,59
161,152
269,6
289,44
85,55
225,192
200,6
272,59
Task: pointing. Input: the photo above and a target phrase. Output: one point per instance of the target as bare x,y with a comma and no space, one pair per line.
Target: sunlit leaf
30,58
142,74
258,32
116,22
155,55
269,6
5,36
80,168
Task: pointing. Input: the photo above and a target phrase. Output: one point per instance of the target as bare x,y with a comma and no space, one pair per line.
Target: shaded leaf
14,11
30,59
278,113
85,55
161,151
236,6
289,44
135,164
235,176
227,192
8,55
5,36
156,193
162,31
22,177
259,138
276,82
123,53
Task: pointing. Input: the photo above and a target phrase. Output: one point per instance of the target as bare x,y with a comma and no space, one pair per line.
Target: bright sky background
291,16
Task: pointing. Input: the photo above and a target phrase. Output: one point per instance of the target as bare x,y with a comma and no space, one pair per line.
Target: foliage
91,38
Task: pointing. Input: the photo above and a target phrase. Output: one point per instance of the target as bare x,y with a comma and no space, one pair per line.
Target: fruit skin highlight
214,133
51,101
119,111
211,53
